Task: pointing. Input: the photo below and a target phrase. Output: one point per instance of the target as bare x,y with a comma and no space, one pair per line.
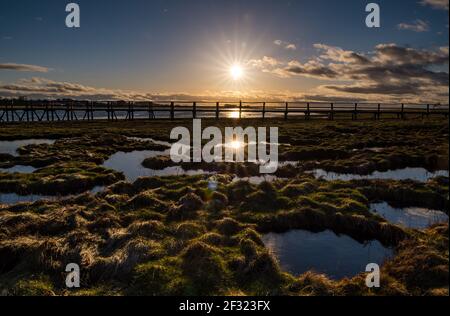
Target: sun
236,72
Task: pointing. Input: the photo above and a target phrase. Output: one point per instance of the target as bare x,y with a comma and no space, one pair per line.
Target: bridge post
32,111
151,114
7,112
27,113
240,109
264,110
47,114
286,111
217,111
172,111
13,103
113,113
194,110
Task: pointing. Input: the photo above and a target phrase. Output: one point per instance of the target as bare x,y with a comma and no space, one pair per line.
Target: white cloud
263,63
291,47
418,26
278,42
285,45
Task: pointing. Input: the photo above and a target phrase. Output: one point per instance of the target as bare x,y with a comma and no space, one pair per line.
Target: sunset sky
186,49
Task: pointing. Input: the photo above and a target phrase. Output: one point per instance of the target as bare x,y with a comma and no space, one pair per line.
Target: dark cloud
393,54
400,89
23,67
312,71
403,73
45,88
332,98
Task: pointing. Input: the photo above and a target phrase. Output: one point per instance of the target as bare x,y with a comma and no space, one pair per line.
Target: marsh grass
180,236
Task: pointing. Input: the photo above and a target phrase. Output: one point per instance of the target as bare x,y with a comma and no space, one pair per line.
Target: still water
10,147
130,164
18,169
299,251
13,198
412,217
417,174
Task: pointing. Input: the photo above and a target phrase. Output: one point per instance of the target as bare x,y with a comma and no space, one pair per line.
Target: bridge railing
68,110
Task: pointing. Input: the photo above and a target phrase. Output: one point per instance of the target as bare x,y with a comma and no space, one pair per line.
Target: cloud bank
41,88
390,71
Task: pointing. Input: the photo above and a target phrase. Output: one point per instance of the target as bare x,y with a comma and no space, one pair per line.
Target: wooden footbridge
13,111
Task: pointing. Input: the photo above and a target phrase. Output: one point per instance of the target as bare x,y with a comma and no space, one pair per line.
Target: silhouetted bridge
12,111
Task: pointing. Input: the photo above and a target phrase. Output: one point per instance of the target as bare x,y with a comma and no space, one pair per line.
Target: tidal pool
258,179
14,198
18,169
10,147
299,251
130,164
288,163
412,217
417,174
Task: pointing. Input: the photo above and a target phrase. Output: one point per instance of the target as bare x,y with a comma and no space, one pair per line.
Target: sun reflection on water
234,114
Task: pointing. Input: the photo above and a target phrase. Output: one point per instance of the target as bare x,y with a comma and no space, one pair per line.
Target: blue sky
146,48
